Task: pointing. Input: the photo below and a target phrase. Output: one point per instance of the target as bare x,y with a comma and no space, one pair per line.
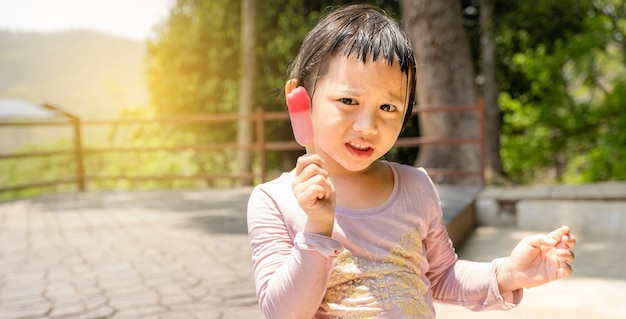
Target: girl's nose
365,123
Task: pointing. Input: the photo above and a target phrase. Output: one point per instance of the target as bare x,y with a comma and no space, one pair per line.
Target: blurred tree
246,90
445,77
600,90
193,69
561,63
194,60
493,166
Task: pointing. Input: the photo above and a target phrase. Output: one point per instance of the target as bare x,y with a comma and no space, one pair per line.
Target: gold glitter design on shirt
360,288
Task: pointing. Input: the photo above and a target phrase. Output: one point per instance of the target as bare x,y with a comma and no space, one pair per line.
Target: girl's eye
348,101
387,107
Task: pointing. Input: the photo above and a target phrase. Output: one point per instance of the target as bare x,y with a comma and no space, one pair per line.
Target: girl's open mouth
358,149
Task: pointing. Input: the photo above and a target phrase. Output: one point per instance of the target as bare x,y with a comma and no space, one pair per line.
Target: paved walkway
174,254
184,254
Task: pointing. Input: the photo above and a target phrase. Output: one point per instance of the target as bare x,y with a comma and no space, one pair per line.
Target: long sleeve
465,283
473,285
291,268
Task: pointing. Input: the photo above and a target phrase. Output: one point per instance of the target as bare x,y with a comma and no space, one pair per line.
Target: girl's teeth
359,146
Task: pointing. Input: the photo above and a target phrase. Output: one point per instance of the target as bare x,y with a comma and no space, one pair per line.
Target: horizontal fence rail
261,146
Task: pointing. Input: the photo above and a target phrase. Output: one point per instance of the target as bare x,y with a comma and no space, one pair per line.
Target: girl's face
358,110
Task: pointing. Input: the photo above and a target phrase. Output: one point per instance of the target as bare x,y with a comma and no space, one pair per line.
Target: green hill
91,74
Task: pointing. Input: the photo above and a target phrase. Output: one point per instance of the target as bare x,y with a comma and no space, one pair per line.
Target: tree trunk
445,77
246,86
493,170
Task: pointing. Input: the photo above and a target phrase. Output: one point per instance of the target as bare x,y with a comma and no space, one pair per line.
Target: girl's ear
290,85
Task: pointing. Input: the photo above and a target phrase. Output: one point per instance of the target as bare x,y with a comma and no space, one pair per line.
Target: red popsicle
299,105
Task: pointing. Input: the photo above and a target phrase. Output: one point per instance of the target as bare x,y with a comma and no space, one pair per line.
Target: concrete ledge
459,214
491,212
589,217
596,208
462,225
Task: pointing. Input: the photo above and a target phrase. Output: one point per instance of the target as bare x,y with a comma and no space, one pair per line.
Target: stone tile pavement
184,254
157,254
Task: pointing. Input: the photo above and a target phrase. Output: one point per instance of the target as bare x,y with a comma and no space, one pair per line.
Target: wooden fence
261,146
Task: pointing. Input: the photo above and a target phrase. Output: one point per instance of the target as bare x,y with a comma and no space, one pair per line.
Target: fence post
78,143
483,138
78,154
260,142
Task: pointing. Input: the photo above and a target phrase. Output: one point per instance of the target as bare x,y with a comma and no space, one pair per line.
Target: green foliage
563,66
193,62
30,170
606,160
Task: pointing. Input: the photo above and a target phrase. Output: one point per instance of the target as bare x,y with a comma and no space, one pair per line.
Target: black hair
359,30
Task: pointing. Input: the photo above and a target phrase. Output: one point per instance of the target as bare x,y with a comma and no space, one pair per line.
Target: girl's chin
357,160
351,159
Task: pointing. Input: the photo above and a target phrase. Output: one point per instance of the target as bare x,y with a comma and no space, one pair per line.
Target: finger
324,190
565,255
530,244
313,193
309,172
547,240
558,233
567,242
571,241
564,271
307,179
328,187
309,193
306,160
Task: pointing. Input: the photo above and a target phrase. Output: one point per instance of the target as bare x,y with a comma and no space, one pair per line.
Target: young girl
346,235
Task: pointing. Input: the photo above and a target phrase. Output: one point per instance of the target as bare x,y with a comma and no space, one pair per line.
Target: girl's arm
469,284
291,274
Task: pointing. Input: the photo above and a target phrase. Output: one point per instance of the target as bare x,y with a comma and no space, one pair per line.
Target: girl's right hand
315,194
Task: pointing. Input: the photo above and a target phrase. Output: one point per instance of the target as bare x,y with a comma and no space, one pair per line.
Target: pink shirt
389,261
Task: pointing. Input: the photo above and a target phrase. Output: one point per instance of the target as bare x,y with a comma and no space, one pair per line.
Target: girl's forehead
354,75
358,64
352,67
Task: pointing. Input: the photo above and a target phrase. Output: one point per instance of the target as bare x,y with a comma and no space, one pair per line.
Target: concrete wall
583,216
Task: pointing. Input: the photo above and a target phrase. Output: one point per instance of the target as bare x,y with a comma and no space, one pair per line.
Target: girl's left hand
537,260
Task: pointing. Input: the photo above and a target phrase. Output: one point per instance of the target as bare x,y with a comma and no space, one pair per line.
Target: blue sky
126,18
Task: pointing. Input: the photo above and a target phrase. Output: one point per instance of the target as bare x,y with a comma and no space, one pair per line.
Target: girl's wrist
505,278
321,228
